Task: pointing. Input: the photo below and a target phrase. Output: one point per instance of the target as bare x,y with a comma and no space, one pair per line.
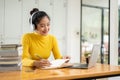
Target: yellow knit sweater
35,44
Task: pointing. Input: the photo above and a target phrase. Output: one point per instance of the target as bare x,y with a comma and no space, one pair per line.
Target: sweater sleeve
55,50
26,57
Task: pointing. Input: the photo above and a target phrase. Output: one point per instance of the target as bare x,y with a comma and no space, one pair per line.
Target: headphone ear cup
32,26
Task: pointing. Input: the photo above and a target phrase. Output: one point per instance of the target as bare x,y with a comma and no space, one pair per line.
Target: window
95,28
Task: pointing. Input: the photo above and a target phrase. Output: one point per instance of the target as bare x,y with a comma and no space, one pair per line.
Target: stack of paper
9,58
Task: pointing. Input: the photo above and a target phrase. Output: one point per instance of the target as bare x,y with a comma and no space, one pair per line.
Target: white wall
1,20
114,34
73,26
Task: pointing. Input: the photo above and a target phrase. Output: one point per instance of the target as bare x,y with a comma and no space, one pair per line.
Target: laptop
92,61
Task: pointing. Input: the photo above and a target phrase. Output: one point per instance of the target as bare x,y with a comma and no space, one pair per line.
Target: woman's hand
66,57
41,63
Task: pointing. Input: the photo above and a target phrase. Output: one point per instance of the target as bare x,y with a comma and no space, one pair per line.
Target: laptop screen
94,55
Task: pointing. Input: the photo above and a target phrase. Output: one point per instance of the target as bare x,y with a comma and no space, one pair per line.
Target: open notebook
58,63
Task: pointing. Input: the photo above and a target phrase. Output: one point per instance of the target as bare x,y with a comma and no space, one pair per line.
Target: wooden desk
99,71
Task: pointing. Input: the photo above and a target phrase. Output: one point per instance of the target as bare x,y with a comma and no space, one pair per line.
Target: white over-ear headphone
31,24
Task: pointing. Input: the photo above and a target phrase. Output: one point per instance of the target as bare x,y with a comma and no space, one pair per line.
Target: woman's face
44,26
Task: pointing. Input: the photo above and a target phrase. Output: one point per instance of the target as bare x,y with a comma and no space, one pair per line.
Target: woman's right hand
41,63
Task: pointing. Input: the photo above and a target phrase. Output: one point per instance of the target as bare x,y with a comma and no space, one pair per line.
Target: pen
45,60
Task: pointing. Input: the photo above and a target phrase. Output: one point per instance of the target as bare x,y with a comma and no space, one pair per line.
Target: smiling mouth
44,32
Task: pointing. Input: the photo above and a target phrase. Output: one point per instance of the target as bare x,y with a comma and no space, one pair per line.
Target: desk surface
100,70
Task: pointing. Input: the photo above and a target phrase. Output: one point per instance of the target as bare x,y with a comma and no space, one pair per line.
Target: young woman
37,46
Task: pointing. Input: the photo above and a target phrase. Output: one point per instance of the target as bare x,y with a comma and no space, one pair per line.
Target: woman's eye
42,25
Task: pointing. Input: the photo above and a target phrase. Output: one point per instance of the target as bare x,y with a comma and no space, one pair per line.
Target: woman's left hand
66,57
